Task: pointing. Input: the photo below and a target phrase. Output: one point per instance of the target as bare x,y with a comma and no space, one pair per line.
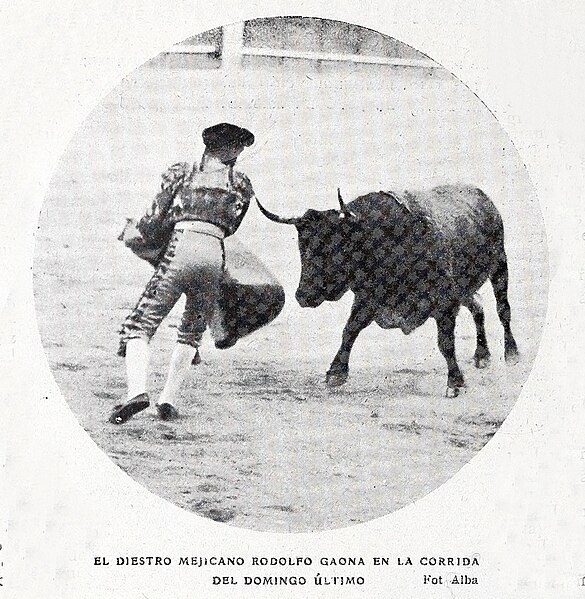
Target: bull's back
460,237
465,227
457,210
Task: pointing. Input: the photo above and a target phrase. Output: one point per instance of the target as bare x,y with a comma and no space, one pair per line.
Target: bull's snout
306,301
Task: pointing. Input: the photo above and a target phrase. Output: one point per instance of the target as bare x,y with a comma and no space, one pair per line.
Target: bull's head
325,238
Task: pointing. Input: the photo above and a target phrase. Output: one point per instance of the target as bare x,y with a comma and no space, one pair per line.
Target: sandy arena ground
263,443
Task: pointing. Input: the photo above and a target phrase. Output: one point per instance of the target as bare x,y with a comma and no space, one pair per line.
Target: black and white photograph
343,277
292,299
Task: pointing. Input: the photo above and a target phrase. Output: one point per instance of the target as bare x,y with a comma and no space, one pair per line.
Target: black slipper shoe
122,413
167,411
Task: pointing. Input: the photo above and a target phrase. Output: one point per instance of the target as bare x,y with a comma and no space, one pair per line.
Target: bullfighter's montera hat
225,133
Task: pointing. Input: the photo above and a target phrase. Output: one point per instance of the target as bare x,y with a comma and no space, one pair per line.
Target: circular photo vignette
344,287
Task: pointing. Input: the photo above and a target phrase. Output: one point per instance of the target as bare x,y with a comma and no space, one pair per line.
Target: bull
406,257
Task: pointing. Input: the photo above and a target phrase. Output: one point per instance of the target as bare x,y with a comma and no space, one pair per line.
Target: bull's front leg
362,314
446,340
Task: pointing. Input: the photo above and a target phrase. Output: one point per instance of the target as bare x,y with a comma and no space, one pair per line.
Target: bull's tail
499,280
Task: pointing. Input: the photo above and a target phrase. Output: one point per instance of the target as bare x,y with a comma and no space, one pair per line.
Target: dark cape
251,296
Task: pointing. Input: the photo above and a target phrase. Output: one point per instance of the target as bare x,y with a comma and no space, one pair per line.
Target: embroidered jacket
220,196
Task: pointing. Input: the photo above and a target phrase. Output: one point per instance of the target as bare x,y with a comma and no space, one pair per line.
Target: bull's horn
275,217
344,209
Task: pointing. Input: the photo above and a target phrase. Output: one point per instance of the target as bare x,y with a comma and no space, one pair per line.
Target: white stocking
180,364
137,358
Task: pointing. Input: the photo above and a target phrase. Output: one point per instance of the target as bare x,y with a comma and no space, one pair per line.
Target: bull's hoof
455,385
336,379
454,391
481,357
481,361
512,357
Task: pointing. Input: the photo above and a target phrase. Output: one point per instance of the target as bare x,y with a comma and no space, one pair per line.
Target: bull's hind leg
482,352
362,314
499,279
446,340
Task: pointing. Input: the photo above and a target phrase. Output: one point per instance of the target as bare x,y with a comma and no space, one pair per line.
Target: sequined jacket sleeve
152,221
242,186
